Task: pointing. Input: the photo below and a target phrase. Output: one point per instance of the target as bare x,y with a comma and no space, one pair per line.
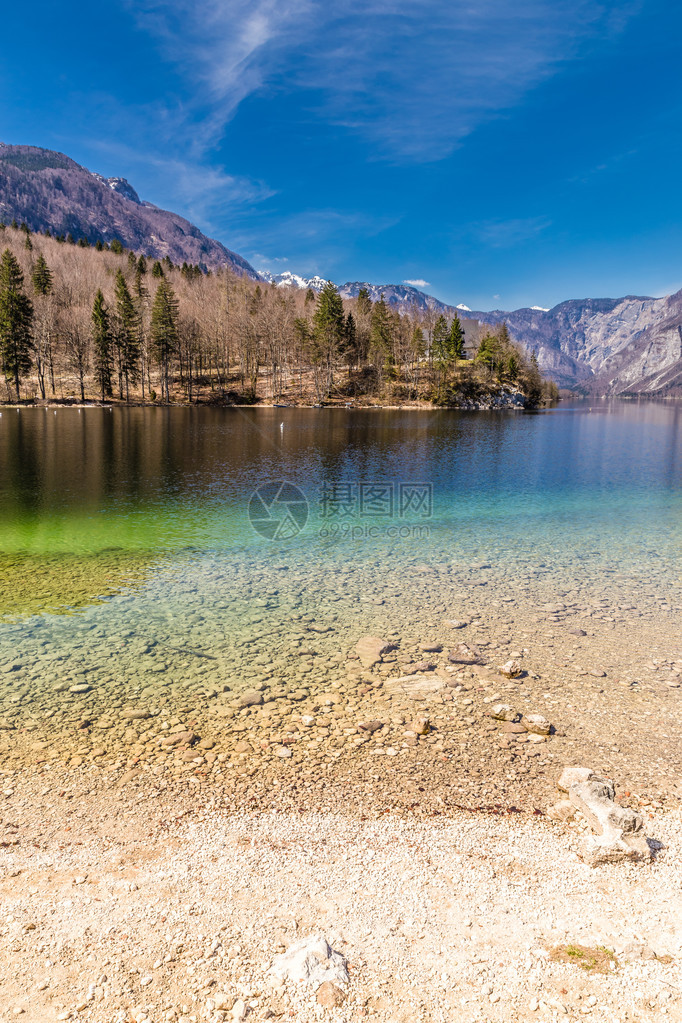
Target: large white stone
310,961
619,831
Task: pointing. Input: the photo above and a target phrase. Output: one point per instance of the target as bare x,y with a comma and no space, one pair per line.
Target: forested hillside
101,323
50,191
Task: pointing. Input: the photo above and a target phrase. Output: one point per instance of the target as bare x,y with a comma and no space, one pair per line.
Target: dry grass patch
593,960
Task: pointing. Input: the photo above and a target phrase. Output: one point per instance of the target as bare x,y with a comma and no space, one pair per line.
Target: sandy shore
149,903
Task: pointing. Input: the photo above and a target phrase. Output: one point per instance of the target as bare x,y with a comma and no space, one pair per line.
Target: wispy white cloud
224,50
505,234
414,79
267,262
411,80
204,191
418,283
317,240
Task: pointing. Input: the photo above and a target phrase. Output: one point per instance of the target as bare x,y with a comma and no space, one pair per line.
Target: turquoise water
132,546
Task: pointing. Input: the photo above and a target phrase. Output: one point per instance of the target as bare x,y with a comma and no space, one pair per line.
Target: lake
164,554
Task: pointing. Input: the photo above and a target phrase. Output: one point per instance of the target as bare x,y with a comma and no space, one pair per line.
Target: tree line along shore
98,322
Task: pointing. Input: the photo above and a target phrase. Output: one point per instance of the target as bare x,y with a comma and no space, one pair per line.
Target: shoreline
56,404
423,407
137,903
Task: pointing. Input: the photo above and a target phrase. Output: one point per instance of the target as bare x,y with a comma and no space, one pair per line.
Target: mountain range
627,345
48,190
630,345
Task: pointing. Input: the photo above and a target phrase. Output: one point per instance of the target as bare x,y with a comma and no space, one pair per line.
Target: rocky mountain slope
402,295
46,189
613,346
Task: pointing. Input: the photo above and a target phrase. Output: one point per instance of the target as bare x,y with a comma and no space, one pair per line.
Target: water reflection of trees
142,457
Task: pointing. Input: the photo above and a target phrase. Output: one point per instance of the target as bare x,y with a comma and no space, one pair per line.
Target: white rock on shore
310,961
619,831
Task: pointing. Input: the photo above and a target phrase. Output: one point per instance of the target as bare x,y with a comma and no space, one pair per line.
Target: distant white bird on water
281,426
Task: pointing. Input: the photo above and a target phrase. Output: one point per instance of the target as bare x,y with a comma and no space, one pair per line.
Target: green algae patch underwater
32,584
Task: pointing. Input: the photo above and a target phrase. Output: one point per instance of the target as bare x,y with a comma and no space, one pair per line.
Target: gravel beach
151,903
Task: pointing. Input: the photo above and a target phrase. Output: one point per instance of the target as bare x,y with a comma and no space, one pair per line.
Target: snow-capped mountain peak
464,308
290,280
120,185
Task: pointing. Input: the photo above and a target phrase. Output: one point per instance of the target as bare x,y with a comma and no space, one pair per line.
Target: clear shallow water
128,556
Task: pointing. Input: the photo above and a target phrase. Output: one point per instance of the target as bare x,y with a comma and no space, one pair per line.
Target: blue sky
502,153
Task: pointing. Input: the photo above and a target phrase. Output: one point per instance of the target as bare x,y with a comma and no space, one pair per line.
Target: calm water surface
127,539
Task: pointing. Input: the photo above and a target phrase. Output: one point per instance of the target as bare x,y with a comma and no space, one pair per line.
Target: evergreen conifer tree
456,339
441,348
329,328
41,277
488,352
364,302
532,384
102,345
350,341
16,319
164,330
380,328
128,345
